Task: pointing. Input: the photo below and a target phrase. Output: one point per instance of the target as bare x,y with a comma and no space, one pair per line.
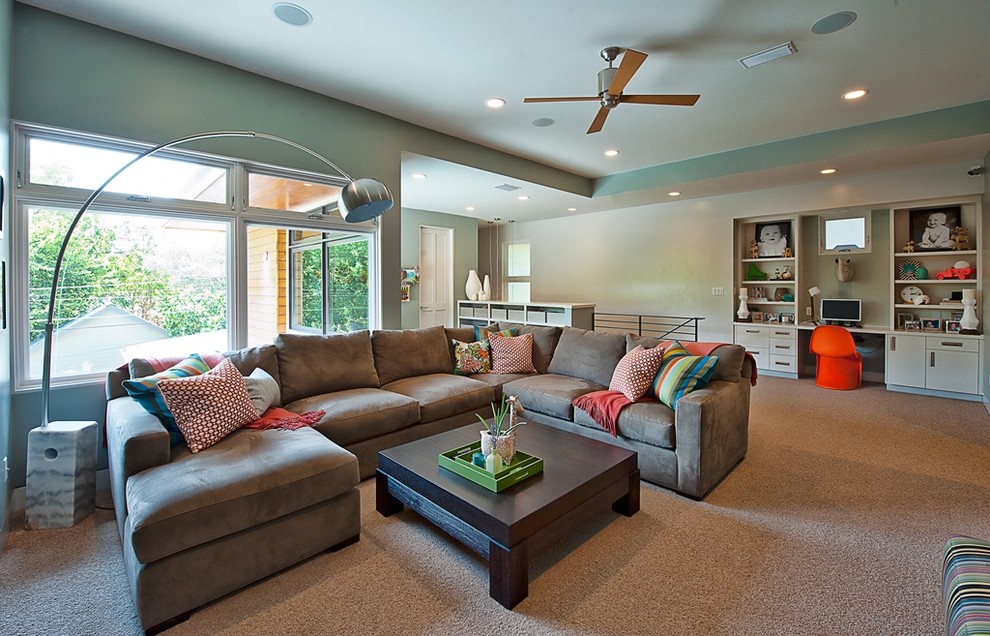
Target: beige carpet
833,524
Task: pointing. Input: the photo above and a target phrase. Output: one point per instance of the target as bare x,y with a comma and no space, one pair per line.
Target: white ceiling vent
507,187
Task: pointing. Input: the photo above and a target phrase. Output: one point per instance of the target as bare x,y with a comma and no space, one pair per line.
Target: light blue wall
6,7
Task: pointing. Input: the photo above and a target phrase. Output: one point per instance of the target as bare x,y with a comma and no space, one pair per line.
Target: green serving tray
458,460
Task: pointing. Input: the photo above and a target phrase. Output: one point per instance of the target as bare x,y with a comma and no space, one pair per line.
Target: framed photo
773,238
758,293
903,319
956,317
770,318
912,325
952,326
786,319
931,324
756,316
932,228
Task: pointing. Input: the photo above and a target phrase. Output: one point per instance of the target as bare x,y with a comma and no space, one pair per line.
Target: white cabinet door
952,370
905,360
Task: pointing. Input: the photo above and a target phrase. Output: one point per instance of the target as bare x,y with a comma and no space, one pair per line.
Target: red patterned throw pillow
635,371
512,355
209,407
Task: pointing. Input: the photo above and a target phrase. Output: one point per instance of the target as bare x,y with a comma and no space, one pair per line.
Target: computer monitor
841,311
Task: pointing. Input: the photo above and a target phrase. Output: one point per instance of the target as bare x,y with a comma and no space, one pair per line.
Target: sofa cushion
312,364
544,342
647,422
472,357
355,415
144,389
403,353
591,355
512,354
730,356
246,479
210,406
496,380
680,374
549,393
441,395
635,372
247,360
263,390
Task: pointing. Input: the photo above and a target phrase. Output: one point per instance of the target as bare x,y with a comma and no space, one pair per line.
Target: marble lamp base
61,474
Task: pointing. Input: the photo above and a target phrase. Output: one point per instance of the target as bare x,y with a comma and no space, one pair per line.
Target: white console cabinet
774,348
483,312
935,363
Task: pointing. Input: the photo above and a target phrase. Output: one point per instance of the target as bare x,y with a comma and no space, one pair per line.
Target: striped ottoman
966,586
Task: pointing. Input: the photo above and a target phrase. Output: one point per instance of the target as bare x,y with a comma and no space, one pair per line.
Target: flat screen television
844,311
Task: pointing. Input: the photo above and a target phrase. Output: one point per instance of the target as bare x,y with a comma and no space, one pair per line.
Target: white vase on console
486,288
473,285
969,322
743,312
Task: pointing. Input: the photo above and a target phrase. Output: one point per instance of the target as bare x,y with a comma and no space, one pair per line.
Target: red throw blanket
276,417
604,406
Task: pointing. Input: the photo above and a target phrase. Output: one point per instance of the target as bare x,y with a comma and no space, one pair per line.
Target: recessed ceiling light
611,153
495,102
855,94
543,122
469,208
828,171
292,14
419,175
572,209
834,22
523,197
674,193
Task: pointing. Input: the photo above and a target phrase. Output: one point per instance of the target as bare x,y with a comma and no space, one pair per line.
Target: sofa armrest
711,429
136,441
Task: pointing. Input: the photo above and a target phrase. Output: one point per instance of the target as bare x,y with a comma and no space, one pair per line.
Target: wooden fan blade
666,100
599,120
631,61
536,100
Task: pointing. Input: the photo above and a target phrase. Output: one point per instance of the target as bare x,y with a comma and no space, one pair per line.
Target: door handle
931,362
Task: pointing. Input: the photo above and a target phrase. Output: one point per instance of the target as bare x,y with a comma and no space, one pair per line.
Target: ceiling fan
611,81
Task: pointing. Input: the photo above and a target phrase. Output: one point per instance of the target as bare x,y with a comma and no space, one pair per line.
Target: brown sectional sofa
197,526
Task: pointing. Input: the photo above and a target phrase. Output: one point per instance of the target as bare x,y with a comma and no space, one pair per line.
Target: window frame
234,212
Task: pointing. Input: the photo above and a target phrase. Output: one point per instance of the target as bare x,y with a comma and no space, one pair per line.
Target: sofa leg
169,624
346,542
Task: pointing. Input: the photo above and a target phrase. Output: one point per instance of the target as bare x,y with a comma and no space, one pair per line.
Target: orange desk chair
840,366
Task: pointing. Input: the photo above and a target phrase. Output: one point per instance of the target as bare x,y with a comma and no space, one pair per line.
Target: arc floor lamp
61,462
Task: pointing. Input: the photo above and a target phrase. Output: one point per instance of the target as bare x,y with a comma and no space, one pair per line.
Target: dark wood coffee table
580,478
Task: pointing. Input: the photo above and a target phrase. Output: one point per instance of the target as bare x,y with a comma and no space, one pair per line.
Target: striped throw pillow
482,332
680,373
145,391
966,586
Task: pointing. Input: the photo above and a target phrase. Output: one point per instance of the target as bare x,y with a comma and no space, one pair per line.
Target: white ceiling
433,63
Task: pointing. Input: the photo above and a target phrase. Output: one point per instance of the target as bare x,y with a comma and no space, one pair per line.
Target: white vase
969,321
743,311
473,285
486,288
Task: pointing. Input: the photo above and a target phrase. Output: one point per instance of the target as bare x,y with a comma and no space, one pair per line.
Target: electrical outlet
718,291
807,311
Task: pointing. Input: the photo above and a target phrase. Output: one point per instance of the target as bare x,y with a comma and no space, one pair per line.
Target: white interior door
436,271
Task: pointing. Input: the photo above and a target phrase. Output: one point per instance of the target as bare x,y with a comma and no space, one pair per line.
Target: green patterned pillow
481,332
680,373
472,357
145,391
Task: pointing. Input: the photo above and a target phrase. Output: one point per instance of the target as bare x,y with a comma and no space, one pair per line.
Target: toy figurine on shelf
754,249
776,274
788,253
755,273
908,247
960,238
786,274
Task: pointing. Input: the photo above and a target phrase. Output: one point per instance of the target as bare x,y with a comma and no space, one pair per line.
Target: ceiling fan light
363,200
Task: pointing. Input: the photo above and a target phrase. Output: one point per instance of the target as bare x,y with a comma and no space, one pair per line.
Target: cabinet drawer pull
752,331
951,344
783,364
782,333
785,347
931,362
